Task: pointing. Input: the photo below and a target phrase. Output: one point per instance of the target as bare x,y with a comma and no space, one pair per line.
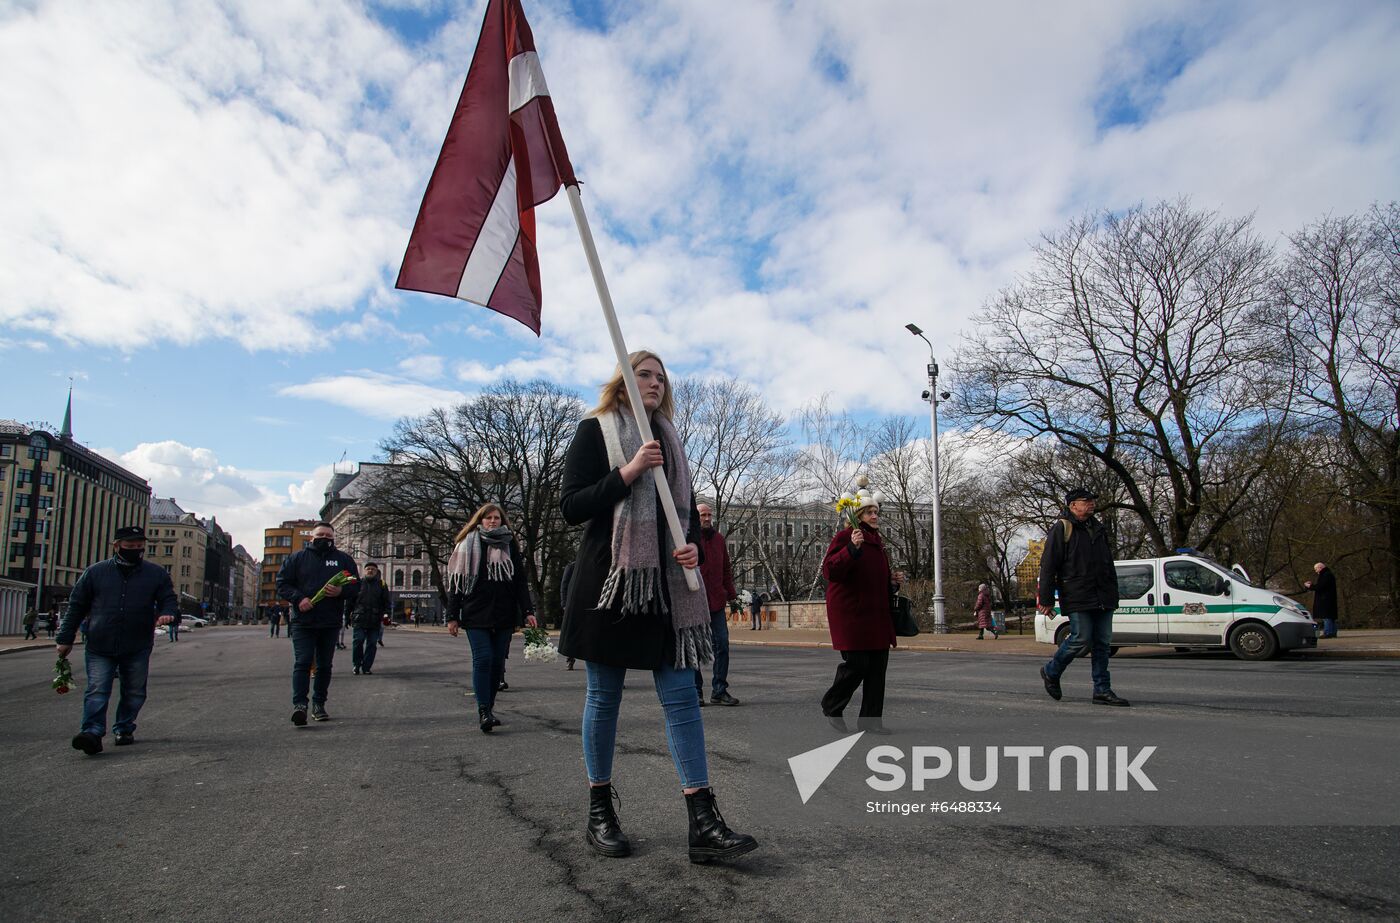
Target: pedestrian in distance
859,588
123,601
983,610
715,570
756,611
488,596
629,605
1324,590
31,618
274,622
315,627
51,623
172,631
371,608
1077,564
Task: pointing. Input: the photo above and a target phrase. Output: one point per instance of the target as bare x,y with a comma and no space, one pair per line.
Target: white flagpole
629,378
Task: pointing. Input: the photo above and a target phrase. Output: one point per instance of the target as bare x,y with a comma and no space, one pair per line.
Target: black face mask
322,544
130,555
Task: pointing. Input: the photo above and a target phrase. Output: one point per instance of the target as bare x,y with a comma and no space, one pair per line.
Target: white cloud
424,368
775,192
375,394
244,502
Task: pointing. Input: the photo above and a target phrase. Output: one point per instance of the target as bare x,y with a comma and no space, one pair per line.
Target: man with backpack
1078,565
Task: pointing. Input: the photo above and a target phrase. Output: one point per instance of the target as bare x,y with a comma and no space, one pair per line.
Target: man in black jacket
1078,565
371,607
1324,599
314,628
124,600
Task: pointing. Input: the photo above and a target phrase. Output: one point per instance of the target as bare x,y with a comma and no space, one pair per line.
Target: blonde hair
614,392
478,516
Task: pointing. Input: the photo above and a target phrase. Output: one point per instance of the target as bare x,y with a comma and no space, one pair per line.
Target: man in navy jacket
315,629
124,600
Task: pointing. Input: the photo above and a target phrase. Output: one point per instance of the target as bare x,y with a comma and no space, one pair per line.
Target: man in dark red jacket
719,589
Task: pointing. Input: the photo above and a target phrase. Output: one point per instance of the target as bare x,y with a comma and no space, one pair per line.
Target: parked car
1188,600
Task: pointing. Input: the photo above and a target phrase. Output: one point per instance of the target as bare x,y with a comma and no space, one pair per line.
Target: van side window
1134,580
1192,577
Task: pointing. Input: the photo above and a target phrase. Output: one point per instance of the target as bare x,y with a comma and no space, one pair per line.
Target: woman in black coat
487,594
628,606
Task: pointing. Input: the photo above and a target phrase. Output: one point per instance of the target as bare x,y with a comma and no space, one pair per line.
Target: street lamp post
932,395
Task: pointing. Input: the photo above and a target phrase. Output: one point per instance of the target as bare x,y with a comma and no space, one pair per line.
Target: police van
1187,600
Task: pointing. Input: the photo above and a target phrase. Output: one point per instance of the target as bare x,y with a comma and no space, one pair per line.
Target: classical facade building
218,571
59,505
402,559
177,541
245,585
280,543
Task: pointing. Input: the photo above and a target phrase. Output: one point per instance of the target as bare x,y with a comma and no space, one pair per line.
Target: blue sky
204,214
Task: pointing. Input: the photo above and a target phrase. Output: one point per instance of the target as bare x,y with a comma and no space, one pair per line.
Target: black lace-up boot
604,832
710,837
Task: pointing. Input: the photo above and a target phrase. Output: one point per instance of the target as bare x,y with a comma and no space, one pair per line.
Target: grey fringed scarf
633,583
465,562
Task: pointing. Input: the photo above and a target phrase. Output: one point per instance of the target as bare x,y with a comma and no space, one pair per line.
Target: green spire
67,431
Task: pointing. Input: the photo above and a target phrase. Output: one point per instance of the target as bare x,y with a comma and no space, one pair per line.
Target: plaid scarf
465,562
638,562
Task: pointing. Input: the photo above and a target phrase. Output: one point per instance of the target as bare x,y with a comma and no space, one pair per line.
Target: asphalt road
400,808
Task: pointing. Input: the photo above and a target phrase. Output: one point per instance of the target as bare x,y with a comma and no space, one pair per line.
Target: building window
45,502
19,526
21,502
169,551
418,578
376,550
7,451
25,476
46,479
398,578
398,551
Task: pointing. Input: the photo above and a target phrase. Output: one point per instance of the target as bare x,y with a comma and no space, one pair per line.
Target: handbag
902,614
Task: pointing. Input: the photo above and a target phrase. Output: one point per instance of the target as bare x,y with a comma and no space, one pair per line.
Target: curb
28,647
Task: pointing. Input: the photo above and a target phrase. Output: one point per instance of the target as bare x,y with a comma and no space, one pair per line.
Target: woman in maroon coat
859,583
983,610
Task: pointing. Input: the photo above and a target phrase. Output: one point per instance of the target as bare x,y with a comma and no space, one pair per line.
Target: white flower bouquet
537,646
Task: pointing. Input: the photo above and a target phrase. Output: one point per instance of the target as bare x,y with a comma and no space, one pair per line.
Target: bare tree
507,446
1340,315
1133,341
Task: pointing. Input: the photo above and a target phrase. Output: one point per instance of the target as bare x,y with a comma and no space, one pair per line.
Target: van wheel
1061,633
1253,641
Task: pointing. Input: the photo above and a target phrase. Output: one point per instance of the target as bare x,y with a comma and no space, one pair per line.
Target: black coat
493,604
301,577
372,603
1083,571
591,489
121,603
1325,595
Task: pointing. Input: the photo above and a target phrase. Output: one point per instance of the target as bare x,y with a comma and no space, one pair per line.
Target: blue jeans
1089,633
685,732
172,631
1329,628
719,627
489,649
309,643
101,670
364,646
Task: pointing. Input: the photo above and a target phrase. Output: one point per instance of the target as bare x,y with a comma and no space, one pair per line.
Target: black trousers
859,667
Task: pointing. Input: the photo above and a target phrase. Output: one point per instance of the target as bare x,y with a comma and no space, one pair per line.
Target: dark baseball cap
1080,493
127,533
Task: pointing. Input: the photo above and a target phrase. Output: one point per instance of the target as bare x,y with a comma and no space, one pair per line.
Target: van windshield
1232,574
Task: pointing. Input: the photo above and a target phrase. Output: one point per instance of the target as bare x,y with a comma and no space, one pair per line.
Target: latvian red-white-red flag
475,234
